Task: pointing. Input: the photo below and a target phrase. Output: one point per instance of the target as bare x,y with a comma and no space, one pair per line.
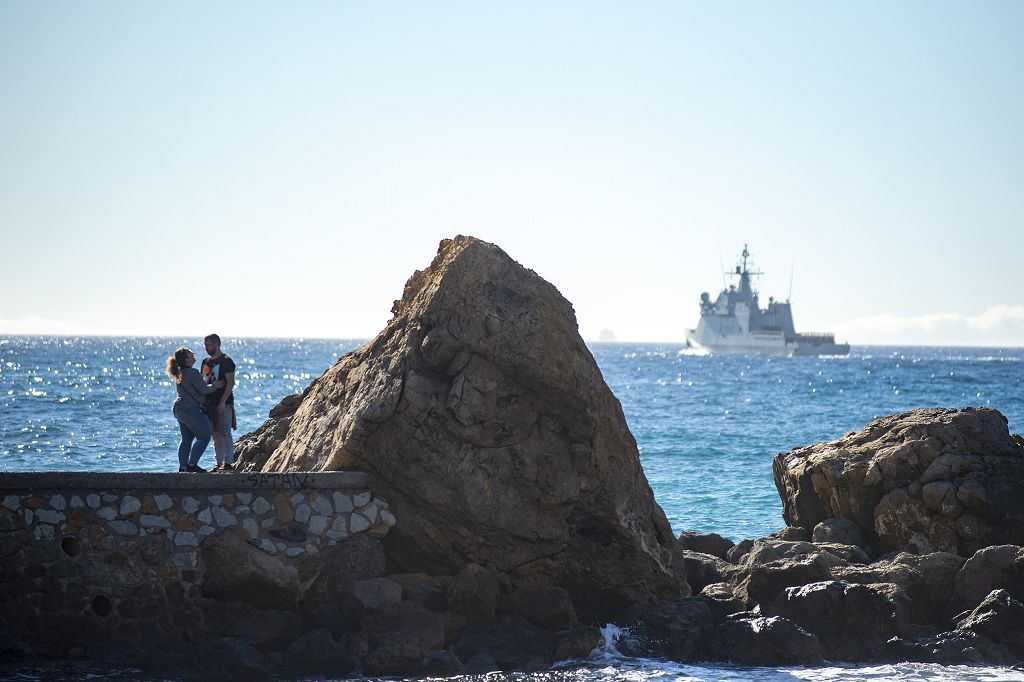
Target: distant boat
735,323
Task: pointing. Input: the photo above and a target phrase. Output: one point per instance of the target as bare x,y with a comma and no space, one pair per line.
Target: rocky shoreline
504,517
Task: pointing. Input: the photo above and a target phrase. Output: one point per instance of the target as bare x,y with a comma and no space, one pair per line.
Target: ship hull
760,344
740,344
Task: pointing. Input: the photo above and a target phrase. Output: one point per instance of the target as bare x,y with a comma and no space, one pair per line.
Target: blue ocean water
707,428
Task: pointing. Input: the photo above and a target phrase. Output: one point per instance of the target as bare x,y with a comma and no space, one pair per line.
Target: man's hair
214,338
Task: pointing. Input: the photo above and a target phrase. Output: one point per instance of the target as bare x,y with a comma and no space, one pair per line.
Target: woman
194,424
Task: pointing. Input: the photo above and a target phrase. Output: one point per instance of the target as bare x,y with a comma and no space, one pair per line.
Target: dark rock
260,628
853,621
765,582
474,593
999,617
511,644
674,629
920,481
426,590
790,534
736,554
237,571
317,650
705,543
372,595
839,530
763,641
481,664
401,637
992,568
720,591
331,573
442,663
768,549
849,553
490,430
959,647
577,643
911,582
549,607
227,655
903,606
705,569
939,571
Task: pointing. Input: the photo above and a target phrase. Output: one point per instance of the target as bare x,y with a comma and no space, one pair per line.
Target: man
220,405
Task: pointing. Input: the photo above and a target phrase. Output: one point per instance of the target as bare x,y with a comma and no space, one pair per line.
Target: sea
707,428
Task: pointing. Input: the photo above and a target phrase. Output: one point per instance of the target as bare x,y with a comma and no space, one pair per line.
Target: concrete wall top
77,480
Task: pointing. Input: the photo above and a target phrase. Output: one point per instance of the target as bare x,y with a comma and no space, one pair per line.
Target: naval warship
735,323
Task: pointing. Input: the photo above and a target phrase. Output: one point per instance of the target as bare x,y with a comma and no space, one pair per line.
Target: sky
280,169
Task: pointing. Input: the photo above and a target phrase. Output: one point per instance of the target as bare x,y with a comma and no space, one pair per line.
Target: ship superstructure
736,323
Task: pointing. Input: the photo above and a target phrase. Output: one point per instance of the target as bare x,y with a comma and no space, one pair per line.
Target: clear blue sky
280,169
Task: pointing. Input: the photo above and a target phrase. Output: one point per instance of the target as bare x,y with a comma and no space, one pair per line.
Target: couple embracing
204,406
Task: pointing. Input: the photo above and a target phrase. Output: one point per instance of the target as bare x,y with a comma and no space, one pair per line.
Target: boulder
912,582
577,643
474,594
839,530
999,617
705,569
426,590
442,663
317,650
674,629
735,554
992,568
921,481
958,647
237,571
491,432
764,582
401,637
510,644
546,606
768,549
705,543
764,641
260,628
938,569
790,533
852,554
373,595
232,658
331,574
853,621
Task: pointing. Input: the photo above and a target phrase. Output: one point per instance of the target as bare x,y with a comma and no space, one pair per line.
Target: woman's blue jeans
195,432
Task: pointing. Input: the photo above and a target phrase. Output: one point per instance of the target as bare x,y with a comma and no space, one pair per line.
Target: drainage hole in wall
71,546
101,605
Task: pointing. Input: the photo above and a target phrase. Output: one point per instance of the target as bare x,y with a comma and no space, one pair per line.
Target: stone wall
94,558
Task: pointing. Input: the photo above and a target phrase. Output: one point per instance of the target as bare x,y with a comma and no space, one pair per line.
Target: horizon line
363,339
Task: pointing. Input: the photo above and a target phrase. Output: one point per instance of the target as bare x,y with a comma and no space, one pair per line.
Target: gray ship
735,323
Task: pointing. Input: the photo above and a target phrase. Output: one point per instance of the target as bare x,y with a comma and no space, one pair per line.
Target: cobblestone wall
122,555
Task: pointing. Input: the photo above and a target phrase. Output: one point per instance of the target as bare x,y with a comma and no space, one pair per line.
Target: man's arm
229,379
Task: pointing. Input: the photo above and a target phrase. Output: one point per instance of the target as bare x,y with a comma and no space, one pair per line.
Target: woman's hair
175,362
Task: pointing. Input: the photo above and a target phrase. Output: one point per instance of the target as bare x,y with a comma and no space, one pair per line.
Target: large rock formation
493,435
923,481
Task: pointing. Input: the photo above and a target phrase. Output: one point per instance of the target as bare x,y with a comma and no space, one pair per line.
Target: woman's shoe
196,469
